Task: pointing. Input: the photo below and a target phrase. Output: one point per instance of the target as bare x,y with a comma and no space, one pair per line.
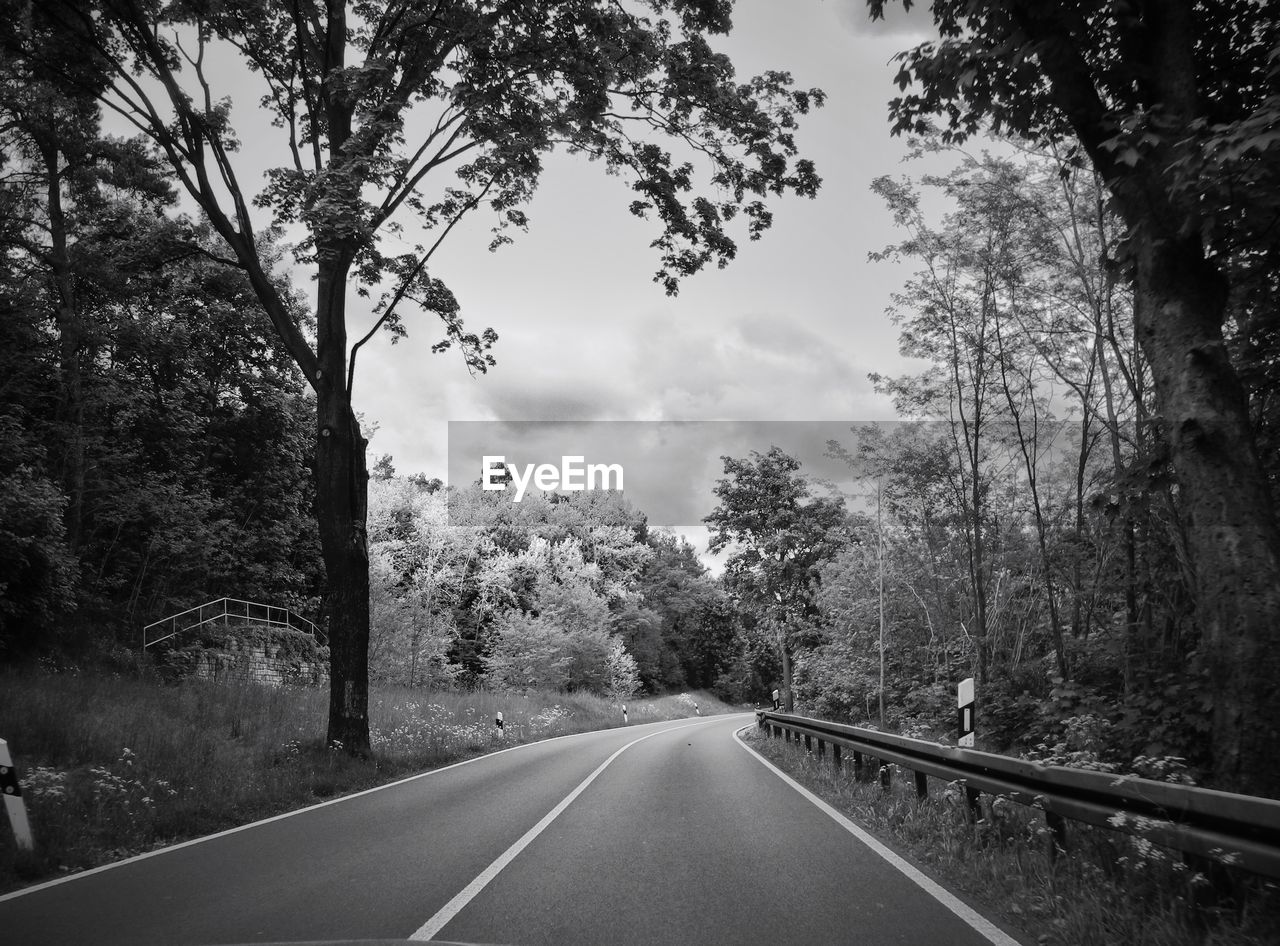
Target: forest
1076,508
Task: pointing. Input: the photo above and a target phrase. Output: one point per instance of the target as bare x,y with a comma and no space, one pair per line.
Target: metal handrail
275,616
1238,830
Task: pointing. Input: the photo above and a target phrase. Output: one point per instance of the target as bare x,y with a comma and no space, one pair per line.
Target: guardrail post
884,774
857,765
973,804
835,755
922,786
1219,883
822,749
1057,826
808,743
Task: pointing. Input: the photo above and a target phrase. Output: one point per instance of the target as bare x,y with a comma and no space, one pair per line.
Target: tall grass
113,766
1107,888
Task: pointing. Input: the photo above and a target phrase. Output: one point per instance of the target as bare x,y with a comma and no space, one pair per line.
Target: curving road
662,833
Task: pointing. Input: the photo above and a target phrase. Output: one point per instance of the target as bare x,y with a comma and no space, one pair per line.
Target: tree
416,573
374,101
781,536
948,314
384,468
1175,105
624,675
684,611
984,275
144,397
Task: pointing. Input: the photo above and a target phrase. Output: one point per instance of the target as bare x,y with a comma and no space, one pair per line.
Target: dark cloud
553,397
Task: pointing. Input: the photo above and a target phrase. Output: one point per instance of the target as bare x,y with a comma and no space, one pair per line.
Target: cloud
752,368
915,25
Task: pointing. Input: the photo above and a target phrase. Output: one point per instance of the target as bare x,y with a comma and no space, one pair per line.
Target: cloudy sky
788,332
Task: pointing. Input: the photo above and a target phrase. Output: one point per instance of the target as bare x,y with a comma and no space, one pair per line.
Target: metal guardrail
1237,830
227,610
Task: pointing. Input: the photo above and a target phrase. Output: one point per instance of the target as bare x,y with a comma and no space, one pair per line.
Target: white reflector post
964,700
13,802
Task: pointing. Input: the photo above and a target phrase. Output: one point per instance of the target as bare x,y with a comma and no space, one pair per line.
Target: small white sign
13,802
965,702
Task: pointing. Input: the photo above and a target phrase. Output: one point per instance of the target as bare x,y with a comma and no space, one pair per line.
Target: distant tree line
567,592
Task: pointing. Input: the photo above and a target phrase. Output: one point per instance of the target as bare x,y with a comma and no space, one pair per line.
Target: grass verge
115,766
1109,888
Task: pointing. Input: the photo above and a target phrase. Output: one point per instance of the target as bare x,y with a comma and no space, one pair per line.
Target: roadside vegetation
115,766
1110,888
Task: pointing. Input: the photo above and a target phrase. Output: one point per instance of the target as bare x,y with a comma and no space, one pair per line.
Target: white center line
451,909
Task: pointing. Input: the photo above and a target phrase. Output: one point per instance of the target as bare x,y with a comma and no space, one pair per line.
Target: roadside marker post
13,802
695,708
500,724
624,714
777,700
964,701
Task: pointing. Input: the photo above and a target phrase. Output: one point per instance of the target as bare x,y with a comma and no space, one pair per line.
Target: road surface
669,832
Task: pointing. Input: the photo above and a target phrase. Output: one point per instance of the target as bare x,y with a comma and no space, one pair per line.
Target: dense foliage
1173,105
153,442
567,592
1023,523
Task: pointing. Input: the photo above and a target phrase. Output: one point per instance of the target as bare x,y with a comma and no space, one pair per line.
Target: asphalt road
661,833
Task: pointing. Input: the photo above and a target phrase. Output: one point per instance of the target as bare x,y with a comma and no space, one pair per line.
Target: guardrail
1240,831
227,610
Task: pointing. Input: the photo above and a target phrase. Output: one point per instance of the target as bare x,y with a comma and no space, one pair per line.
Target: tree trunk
1230,522
784,652
978,570
71,342
342,485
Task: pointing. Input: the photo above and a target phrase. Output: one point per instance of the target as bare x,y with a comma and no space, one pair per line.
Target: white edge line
468,893
980,924
34,888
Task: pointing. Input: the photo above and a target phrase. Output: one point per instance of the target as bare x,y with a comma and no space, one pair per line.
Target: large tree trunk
71,343
342,484
1231,525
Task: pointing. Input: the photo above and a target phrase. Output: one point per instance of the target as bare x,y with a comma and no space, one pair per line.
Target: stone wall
256,663
253,653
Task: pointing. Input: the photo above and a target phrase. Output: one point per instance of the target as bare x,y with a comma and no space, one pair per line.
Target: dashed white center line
451,909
